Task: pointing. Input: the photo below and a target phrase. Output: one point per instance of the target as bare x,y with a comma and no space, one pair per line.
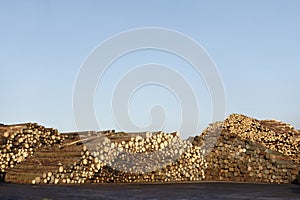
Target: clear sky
255,45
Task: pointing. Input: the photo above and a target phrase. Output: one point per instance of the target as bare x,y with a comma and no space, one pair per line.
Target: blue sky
255,45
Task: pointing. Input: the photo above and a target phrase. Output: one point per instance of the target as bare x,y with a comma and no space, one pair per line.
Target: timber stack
158,157
249,150
18,142
239,149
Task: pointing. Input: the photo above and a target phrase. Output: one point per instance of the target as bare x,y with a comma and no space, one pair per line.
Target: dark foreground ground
209,191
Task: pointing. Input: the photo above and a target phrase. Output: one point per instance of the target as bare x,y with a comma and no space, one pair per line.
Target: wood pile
273,134
45,159
239,149
18,142
249,150
236,159
158,157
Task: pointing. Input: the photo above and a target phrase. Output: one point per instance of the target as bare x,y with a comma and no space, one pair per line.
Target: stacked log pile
158,157
250,150
238,149
18,142
236,159
45,159
274,135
